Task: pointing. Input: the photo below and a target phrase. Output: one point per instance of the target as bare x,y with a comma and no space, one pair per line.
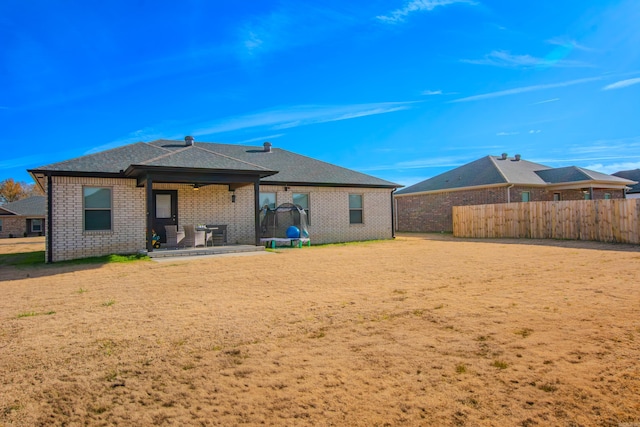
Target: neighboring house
427,205
109,202
633,175
23,218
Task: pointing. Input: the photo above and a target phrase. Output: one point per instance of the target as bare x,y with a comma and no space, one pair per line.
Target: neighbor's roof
496,171
285,167
577,174
634,175
489,170
31,206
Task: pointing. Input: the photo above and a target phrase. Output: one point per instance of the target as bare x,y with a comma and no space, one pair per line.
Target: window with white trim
36,225
302,200
355,209
97,208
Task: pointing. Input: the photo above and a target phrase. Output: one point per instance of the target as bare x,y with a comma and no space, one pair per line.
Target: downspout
509,193
393,215
591,193
49,224
149,192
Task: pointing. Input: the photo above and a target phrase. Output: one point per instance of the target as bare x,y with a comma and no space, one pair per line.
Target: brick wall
69,239
329,212
433,212
13,226
211,204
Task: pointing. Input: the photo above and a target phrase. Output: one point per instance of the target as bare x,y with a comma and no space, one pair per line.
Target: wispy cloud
525,89
146,134
507,133
568,43
613,167
436,162
413,6
299,115
501,58
534,131
622,83
546,101
261,138
606,146
288,27
431,92
604,155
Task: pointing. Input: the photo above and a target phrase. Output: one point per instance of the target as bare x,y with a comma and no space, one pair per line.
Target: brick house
109,202
427,205
23,218
634,175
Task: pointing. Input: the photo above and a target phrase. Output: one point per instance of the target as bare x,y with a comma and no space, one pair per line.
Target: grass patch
549,388
107,259
499,364
27,314
37,258
108,303
82,290
34,313
23,259
524,332
461,368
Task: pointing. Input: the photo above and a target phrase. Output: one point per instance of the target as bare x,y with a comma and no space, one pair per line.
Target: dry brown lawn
422,330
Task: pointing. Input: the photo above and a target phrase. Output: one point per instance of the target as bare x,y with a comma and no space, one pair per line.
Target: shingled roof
634,175
31,206
491,171
275,166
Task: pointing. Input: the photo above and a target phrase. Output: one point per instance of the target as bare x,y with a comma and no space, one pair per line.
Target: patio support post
256,197
149,192
49,225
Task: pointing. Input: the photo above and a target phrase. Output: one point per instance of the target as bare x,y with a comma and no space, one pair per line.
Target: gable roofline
497,171
204,158
8,211
33,206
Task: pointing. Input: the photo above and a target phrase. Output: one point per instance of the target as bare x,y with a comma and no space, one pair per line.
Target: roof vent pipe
517,157
267,147
504,156
188,140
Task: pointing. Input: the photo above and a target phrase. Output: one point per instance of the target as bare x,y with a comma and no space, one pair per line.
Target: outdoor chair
193,237
175,238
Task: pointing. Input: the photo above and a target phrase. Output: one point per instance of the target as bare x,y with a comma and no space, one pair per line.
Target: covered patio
160,181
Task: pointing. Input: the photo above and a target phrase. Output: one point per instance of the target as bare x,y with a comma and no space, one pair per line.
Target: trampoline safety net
285,221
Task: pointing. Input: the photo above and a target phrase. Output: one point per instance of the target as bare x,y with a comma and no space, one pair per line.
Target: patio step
211,250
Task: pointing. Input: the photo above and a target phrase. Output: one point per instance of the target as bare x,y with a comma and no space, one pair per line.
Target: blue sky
402,90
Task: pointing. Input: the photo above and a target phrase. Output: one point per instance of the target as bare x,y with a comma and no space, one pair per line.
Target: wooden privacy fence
600,220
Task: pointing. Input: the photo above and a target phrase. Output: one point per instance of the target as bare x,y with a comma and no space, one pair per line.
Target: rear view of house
113,201
427,205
